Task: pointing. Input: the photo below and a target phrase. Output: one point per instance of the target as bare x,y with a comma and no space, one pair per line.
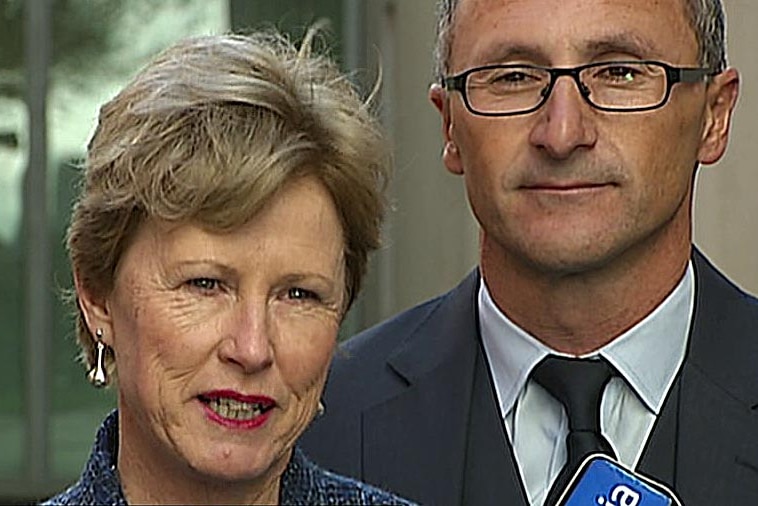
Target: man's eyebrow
624,43
507,53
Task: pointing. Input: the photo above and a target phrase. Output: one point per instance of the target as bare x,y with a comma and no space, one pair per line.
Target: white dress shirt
647,356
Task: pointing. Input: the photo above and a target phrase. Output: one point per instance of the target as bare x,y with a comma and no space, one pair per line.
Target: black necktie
579,385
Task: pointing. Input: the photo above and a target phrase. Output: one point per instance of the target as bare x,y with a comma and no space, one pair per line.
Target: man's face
569,188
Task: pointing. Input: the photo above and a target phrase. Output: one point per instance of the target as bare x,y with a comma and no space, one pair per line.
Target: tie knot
578,384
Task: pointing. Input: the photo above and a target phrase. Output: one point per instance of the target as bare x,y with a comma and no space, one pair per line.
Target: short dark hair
706,17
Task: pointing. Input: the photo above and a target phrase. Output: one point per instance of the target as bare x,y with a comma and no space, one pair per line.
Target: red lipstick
235,410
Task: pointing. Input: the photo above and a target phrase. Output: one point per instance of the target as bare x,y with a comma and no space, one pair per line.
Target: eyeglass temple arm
689,75
454,83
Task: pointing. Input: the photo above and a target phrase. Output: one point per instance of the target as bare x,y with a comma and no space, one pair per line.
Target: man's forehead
493,31
626,44
482,10
459,4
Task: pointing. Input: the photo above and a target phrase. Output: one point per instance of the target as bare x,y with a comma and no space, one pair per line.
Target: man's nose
565,121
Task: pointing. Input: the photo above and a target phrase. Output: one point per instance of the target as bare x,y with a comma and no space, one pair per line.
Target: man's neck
579,312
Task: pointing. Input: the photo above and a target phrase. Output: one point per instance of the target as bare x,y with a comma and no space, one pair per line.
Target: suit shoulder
386,335
378,364
335,489
367,353
366,356
717,293
304,482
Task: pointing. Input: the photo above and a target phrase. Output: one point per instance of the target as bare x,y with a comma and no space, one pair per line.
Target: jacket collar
444,336
723,343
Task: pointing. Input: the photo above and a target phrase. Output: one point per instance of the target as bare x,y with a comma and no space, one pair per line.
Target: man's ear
96,310
721,96
450,155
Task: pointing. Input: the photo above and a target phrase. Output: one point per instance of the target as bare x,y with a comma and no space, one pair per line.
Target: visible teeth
234,409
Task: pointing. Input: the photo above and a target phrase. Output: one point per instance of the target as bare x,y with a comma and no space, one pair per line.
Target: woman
232,193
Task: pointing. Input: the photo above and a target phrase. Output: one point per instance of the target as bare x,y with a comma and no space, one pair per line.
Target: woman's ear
95,310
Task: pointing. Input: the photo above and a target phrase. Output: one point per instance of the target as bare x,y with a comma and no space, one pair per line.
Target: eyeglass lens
615,85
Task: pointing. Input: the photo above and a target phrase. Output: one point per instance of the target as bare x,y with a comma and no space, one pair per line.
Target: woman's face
223,341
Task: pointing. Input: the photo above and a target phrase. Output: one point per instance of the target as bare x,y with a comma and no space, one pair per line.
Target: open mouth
234,409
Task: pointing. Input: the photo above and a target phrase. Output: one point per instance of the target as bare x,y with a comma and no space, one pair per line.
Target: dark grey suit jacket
410,406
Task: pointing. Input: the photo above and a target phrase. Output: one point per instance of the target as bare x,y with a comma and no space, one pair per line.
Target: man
578,127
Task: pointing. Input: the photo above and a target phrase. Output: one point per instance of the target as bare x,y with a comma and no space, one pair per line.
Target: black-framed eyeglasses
615,86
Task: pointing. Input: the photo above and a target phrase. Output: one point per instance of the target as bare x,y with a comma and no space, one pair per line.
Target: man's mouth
567,186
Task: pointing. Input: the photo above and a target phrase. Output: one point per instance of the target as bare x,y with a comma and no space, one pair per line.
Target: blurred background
61,59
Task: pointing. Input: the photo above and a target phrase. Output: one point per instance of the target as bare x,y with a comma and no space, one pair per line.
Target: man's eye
204,284
510,77
297,293
619,73
509,80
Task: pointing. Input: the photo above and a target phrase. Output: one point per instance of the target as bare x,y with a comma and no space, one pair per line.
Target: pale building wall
432,236
726,210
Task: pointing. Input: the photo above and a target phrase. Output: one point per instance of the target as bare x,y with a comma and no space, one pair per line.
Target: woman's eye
297,293
204,284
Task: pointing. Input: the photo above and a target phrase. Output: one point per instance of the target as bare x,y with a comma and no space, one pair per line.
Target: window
59,61
87,50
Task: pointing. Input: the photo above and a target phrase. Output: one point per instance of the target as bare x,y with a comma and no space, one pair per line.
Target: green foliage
82,31
292,17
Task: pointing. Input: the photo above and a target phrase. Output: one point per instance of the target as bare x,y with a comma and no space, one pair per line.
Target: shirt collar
648,355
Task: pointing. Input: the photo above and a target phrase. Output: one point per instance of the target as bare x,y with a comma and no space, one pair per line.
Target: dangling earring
320,409
97,374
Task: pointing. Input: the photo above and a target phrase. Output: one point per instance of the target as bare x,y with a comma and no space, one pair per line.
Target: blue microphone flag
602,482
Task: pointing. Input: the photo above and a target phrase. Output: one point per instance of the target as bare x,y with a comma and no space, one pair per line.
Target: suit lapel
427,433
491,474
446,418
429,421
717,447
659,457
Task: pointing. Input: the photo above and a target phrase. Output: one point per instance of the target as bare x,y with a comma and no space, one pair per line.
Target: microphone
600,481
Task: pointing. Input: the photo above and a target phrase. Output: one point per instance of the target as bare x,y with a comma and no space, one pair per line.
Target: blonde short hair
209,132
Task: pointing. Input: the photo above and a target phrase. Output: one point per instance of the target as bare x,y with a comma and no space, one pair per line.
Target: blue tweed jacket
303,482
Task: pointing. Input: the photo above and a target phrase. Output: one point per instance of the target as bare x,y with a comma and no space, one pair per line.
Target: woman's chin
231,466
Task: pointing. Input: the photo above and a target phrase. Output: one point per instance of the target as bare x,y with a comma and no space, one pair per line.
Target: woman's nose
249,341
